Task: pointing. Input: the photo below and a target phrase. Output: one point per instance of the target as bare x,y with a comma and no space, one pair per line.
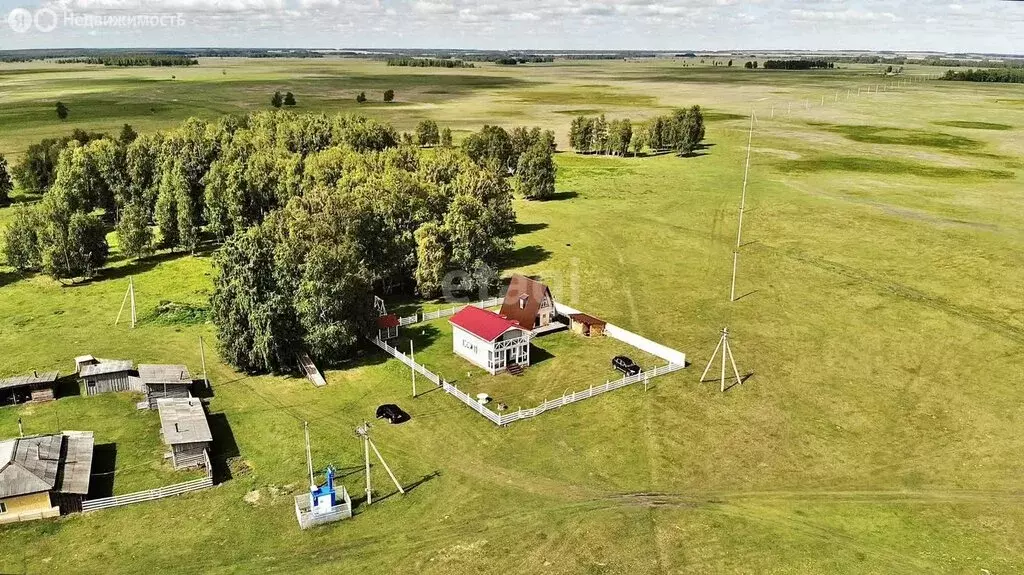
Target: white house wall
470,347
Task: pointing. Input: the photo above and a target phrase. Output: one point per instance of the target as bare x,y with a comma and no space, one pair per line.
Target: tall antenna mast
743,206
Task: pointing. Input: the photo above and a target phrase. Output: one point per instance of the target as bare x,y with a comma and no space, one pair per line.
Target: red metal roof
386,321
482,323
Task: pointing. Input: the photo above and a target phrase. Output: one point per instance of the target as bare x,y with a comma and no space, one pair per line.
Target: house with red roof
490,340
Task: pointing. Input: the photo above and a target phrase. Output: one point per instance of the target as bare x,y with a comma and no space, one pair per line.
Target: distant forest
1004,75
428,63
129,61
796,64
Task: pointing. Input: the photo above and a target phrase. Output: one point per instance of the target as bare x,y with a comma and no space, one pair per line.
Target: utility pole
309,457
202,355
412,367
364,432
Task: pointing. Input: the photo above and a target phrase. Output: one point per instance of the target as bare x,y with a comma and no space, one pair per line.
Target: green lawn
881,315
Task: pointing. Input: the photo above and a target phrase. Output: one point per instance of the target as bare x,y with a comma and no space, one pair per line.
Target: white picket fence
507,418
406,360
439,313
152,494
149,495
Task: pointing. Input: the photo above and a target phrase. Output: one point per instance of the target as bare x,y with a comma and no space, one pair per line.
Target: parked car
625,365
392,413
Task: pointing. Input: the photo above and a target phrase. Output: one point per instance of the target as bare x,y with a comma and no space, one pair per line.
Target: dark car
625,365
392,413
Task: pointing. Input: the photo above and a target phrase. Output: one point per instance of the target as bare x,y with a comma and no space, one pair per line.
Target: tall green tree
127,135
72,242
133,233
6,183
535,175
491,146
62,111
289,99
21,240
446,137
252,304
432,259
361,97
276,100
389,95
427,134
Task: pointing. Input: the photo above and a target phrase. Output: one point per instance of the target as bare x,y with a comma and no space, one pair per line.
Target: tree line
127,61
681,132
314,213
515,60
1004,75
802,64
429,63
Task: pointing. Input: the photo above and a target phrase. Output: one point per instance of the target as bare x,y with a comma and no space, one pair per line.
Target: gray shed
35,386
185,430
162,381
109,375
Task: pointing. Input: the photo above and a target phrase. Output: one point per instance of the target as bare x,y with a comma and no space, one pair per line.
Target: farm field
880,311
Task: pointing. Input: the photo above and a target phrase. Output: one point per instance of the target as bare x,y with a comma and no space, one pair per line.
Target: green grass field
881,315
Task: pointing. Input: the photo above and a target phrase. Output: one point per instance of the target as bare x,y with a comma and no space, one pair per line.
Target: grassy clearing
881,317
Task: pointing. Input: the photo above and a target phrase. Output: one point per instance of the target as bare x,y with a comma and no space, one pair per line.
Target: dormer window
522,301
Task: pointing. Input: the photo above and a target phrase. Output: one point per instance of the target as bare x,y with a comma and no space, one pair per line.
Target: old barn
186,431
43,476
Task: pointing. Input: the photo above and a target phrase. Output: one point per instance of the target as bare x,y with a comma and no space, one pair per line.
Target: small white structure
489,340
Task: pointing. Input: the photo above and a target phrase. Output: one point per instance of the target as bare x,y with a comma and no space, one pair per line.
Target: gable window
3,507
522,301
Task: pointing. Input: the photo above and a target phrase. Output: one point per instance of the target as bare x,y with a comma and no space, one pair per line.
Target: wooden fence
151,494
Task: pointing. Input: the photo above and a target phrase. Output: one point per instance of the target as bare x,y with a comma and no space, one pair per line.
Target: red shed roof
482,323
386,321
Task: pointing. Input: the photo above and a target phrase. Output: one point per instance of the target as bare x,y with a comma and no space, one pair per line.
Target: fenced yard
564,367
153,494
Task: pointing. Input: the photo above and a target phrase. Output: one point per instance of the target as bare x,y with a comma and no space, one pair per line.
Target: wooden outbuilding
186,431
529,303
586,325
43,476
107,376
84,360
160,381
34,387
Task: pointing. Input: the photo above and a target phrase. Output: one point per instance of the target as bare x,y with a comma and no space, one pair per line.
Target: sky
992,26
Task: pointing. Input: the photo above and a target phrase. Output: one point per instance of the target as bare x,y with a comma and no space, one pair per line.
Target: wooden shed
586,325
106,376
185,430
35,386
160,381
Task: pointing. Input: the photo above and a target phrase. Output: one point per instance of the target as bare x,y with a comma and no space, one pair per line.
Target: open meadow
880,311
